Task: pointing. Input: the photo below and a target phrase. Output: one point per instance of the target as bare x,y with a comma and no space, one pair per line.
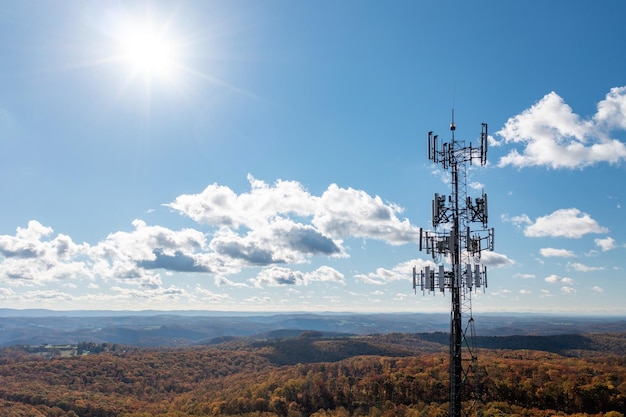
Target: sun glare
150,52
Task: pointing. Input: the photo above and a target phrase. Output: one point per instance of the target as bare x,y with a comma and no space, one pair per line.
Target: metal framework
454,241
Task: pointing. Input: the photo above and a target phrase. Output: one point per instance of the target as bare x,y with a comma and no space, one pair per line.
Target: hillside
157,329
314,374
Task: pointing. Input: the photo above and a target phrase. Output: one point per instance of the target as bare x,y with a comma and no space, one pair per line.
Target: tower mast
461,247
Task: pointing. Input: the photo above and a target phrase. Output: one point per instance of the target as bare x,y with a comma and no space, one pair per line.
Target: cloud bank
268,229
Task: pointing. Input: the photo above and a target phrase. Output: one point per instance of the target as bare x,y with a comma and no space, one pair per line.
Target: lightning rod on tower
453,240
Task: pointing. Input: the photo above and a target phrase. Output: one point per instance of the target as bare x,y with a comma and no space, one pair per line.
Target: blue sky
271,156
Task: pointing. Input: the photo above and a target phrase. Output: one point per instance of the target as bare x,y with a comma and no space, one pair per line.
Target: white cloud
517,220
565,289
141,243
525,276
32,256
258,300
48,295
605,244
612,110
353,213
553,135
553,279
158,294
570,223
268,227
324,274
338,213
6,293
556,253
546,293
275,276
205,295
494,259
218,205
223,281
278,242
597,289
524,292
580,267
402,271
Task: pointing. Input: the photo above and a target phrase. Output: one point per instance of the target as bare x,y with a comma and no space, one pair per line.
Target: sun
150,52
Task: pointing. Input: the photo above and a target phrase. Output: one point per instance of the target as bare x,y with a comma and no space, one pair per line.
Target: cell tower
453,241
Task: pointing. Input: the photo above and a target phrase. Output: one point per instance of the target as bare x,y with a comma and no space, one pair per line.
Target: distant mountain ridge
154,328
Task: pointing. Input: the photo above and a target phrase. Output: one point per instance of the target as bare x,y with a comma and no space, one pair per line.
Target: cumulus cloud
518,221
570,223
338,213
348,212
605,244
552,135
567,282
580,267
556,253
552,279
278,276
159,294
179,261
136,255
494,259
209,296
33,257
218,205
612,110
47,295
281,241
402,271
271,227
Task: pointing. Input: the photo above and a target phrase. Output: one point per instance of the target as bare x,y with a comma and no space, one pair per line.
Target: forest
317,375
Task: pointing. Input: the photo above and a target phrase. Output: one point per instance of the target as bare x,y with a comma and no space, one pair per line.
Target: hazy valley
35,327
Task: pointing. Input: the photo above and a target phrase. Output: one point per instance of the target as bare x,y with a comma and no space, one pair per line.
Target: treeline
246,380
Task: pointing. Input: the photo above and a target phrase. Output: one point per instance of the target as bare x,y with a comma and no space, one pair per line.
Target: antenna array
454,240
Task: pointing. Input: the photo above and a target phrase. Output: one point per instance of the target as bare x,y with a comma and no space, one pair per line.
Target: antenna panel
430,146
477,275
442,278
485,213
485,275
484,136
436,210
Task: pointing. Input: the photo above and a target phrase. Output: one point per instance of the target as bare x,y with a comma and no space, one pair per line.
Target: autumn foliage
256,380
